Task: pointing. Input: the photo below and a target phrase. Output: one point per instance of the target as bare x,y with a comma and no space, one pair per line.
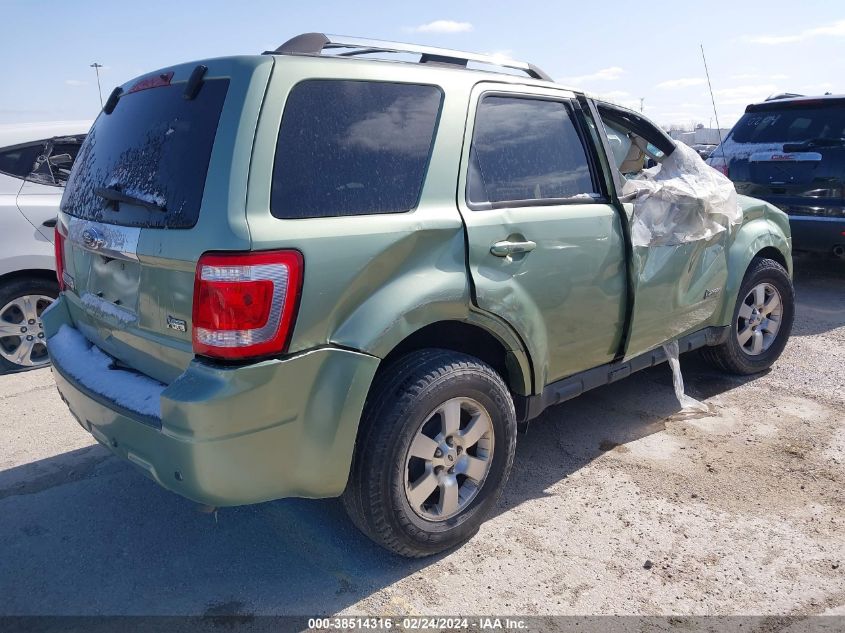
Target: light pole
96,68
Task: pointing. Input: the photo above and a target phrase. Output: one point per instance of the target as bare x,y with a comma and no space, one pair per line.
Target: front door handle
506,247
50,223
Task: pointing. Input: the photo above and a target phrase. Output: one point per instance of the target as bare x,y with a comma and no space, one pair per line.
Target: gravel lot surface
617,504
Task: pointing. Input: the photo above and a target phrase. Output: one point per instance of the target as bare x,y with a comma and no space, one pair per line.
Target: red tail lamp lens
245,303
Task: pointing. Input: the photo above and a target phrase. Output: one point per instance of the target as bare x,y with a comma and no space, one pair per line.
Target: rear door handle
506,247
50,223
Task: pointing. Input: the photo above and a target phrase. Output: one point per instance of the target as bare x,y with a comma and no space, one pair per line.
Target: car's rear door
22,246
546,249
41,192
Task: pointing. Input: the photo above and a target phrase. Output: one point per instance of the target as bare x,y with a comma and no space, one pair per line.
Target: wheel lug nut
438,470
23,329
438,453
29,338
452,470
460,450
450,441
31,321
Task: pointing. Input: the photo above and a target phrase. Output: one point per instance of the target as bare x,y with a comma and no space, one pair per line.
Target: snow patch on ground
90,367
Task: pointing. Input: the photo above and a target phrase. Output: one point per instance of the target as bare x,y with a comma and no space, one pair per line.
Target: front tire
762,321
434,451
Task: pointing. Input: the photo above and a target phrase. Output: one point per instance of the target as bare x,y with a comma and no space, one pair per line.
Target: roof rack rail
316,43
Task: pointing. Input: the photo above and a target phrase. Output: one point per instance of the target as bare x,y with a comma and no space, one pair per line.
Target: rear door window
155,146
525,151
353,148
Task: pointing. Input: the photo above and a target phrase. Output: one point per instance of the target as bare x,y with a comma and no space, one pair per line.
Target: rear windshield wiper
821,141
116,195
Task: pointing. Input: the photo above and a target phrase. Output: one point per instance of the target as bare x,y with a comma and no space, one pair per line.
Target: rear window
790,125
353,148
155,147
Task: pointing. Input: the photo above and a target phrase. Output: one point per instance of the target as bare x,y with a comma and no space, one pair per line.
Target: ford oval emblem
92,238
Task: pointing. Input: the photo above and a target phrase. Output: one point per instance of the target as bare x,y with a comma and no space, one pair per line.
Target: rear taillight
245,303
59,246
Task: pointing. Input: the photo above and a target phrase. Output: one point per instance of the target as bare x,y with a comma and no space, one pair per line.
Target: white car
35,160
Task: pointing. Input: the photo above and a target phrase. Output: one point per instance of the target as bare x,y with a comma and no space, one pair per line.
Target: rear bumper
236,435
816,234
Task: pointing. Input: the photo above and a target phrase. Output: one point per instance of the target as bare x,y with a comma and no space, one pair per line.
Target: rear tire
429,412
762,321
22,342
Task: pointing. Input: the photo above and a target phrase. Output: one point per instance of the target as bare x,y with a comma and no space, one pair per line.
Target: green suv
327,270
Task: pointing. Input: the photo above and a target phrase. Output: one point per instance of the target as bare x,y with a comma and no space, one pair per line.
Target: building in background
699,136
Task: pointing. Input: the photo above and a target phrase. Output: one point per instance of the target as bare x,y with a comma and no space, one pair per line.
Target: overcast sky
622,50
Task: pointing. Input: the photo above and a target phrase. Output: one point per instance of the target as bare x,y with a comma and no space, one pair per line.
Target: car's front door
677,287
546,247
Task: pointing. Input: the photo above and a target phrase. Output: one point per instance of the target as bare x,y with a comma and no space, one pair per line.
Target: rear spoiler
786,104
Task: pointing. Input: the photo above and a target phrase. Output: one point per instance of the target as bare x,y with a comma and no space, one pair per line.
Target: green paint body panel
566,298
238,435
672,283
764,227
287,426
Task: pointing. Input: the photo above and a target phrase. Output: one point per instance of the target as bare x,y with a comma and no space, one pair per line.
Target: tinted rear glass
155,146
524,150
353,148
790,125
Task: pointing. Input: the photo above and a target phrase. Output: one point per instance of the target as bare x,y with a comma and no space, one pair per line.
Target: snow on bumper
85,364
226,435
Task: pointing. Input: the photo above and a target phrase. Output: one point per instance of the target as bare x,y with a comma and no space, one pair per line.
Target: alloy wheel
759,319
22,339
449,459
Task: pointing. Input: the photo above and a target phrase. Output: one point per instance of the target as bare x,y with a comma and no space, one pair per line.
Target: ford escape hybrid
321,272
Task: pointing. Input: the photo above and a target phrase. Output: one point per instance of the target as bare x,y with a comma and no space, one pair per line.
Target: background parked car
790,151
704,149
35,161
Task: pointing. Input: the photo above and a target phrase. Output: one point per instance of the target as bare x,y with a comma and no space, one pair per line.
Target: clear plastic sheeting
681,200
687,403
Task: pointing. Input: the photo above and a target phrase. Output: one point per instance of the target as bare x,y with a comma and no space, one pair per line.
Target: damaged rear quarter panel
369,280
